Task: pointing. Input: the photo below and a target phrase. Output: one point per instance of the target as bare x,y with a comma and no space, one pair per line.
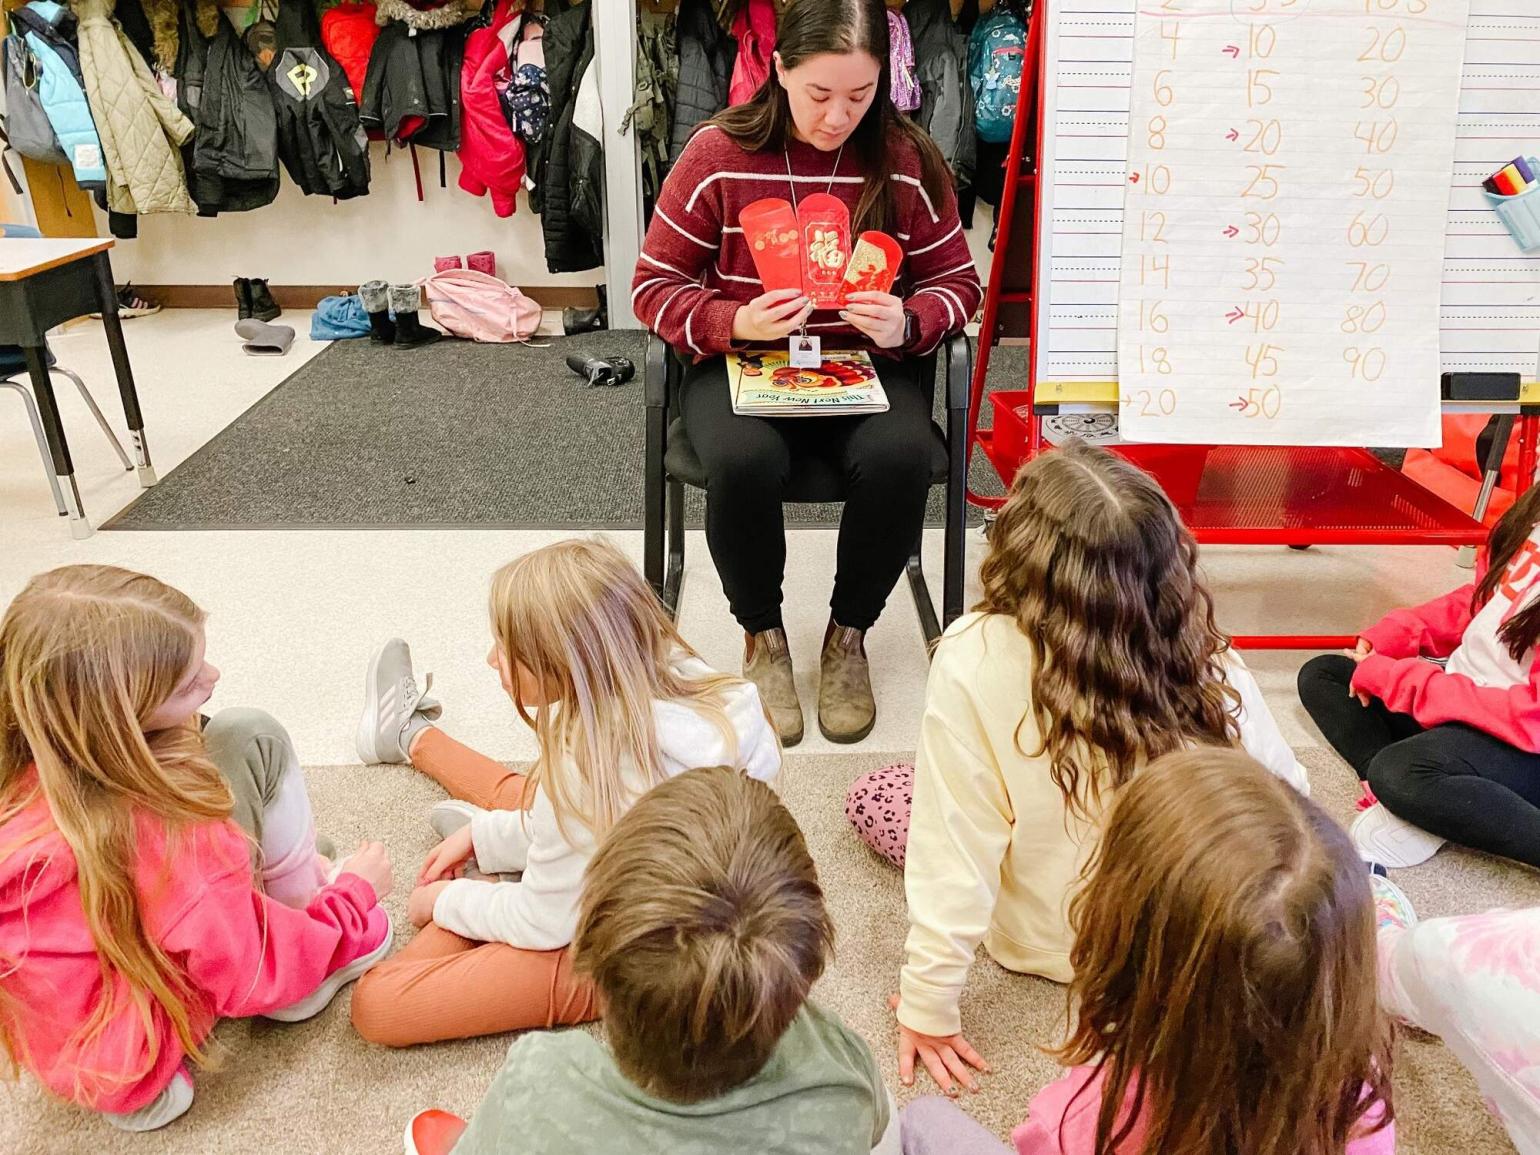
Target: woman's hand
946,1057
419,908
371,862
771,316
879,315
445,859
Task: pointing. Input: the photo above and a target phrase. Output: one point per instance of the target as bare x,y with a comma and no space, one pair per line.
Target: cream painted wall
308,240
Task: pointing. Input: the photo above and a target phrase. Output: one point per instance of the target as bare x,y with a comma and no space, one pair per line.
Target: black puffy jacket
232,159
320,141
706,58
569,172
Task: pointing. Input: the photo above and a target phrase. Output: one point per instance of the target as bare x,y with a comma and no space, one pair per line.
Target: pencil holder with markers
1520,213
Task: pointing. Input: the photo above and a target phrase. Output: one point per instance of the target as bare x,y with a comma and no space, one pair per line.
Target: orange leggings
442,986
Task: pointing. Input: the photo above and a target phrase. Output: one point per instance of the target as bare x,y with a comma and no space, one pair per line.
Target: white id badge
806,352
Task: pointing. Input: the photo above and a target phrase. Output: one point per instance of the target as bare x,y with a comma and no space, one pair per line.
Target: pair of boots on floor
846,709
392,313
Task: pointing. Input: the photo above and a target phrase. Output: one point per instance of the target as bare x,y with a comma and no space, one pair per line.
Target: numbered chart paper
1289,168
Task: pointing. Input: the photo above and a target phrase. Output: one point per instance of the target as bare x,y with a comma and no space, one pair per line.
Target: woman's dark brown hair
1520,632
1101,576
1225,968
809,28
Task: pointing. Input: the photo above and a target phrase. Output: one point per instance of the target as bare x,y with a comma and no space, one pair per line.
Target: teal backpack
996,51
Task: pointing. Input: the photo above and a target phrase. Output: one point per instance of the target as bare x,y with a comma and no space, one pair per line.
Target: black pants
885,460
1452,780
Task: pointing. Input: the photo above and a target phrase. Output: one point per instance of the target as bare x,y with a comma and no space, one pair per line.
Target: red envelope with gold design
873,265
825,223
775,241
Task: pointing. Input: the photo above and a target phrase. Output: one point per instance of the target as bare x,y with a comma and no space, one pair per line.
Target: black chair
672,464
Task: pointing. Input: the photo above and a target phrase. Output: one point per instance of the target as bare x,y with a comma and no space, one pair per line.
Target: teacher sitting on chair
822,122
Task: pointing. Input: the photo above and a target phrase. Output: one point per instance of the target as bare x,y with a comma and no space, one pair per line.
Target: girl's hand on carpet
371,862
445,860
771,316
946,1057
419,908
879,315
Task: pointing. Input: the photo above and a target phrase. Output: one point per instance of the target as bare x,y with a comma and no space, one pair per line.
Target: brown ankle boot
846,710
767,663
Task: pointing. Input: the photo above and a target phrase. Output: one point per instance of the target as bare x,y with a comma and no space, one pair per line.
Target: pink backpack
479,307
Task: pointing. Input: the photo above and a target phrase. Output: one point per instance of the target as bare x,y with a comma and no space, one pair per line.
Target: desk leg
107,297
58,447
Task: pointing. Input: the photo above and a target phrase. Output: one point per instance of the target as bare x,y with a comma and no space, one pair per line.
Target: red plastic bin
1010,428
1178,469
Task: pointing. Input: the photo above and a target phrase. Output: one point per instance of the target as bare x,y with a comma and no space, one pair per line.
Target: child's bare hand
371,862
946,1057
446,859
419,908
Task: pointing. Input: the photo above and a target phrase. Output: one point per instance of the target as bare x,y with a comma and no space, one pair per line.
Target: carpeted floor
316,1089
458,434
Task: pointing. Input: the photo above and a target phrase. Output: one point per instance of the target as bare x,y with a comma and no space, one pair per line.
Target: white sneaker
391,698
167,1107
320,998
450,815
1380,836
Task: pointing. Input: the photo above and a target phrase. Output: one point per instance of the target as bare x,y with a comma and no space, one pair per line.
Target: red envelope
873,265
774,239
825,222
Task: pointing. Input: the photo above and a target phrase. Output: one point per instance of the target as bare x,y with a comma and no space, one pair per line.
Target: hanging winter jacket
706,56
946,99
348,32
49,29
572,162
163,24
491,156
905,85
754,30
234,153
657,79
412,86
320,141
141,129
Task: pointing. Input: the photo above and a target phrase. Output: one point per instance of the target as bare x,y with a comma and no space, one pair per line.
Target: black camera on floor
609,371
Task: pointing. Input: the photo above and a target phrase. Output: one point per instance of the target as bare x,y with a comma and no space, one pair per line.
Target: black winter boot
375,296
242,299
410,332
263,307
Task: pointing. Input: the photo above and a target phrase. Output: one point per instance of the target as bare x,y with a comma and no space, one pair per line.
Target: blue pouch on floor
338,318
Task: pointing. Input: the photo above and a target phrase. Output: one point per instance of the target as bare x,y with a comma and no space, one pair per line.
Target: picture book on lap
810,248
766,384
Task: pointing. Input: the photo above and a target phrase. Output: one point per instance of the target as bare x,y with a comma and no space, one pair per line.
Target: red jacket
348,32
491,156
1482,685
243,954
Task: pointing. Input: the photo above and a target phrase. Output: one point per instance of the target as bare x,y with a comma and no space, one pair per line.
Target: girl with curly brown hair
1093,651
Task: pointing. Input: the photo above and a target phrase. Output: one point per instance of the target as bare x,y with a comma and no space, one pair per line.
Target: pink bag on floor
478,307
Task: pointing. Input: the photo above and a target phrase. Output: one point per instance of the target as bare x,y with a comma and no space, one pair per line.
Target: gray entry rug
453,435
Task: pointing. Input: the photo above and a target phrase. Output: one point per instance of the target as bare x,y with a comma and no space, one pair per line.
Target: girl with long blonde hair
618,703
1224,996
158,870
1092,651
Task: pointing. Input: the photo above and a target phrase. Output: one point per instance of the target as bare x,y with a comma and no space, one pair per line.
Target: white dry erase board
1489,308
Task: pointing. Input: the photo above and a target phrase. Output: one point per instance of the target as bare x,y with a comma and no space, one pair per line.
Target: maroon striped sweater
696,268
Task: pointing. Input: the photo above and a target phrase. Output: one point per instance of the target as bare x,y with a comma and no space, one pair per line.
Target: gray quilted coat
706,56
946,97
141,130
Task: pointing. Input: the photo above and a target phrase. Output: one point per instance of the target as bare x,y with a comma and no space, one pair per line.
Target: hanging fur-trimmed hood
162,18
424,15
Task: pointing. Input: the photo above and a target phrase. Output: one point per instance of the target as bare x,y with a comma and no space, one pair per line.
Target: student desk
44,282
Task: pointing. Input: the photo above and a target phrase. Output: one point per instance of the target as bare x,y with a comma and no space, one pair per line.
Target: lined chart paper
1283,236
1491,293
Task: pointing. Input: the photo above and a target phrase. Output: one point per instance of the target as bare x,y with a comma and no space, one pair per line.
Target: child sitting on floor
703,927
1093,650
619,704
156,872
1224,991
1438,710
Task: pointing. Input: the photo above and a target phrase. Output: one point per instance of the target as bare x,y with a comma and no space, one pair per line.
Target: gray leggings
937,1126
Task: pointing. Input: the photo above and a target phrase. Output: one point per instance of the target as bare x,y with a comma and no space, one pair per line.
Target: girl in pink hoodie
156,873
1224,996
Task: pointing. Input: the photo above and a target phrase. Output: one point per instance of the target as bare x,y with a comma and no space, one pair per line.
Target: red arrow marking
1231,50
1133,177
1238,403
1232,135
1235,314
1232,231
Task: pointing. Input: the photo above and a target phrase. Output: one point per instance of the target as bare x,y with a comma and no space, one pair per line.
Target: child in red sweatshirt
1438,710
155,875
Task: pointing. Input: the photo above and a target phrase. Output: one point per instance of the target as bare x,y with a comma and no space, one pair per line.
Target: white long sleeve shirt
540,911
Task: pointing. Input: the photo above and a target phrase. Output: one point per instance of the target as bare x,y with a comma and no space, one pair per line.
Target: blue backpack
338,318
996,51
